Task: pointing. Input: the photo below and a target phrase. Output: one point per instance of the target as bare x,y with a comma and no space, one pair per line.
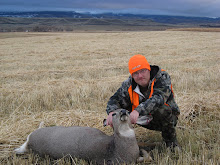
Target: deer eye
113,114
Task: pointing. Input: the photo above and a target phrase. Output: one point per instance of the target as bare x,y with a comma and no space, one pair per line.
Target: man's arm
120,99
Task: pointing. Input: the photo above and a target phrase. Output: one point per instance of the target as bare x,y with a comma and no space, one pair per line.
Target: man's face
142,77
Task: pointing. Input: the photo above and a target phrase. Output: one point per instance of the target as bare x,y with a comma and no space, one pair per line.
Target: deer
87,143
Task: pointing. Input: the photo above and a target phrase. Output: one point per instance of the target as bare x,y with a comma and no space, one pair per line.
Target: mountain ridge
72,14
46,21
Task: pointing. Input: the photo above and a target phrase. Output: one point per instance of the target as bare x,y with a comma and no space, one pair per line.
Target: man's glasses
142,71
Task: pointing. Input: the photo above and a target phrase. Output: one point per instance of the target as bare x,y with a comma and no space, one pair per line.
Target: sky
198,8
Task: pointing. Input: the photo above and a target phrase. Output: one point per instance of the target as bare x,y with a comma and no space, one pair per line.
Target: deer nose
123,112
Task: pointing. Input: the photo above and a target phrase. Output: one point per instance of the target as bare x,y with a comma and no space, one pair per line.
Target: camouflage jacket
161,94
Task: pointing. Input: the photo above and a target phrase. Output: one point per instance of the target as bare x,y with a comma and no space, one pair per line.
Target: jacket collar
155,70
138,91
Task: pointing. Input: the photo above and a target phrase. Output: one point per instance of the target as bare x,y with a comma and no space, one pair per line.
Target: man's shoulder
127,83
157,72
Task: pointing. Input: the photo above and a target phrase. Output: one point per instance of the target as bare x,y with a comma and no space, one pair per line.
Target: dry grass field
67,78
196,29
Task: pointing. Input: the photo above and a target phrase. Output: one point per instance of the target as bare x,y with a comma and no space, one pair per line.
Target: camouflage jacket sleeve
121,98
161,93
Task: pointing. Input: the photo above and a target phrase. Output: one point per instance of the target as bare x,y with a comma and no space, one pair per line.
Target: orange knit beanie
138,62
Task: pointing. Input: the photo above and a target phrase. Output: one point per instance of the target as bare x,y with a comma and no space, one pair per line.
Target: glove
144,120
134,116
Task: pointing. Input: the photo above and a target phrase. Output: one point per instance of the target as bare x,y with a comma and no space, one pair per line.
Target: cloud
172,7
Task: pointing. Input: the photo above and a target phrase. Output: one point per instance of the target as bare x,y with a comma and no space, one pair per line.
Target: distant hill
19,24
73,21
73,14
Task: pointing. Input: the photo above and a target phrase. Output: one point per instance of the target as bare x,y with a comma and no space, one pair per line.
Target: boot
169,137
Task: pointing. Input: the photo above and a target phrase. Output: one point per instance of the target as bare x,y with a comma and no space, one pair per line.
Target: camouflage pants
164,120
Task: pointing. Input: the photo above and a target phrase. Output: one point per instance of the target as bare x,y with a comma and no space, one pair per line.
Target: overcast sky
207,8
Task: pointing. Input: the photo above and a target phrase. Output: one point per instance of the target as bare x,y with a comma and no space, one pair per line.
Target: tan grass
196,29
67,79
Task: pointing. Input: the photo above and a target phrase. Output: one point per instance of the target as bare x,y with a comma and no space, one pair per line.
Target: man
147,92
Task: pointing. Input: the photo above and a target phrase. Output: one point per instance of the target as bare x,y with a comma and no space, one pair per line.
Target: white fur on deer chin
127,133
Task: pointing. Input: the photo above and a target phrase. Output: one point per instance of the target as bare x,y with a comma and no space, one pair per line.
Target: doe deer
87,143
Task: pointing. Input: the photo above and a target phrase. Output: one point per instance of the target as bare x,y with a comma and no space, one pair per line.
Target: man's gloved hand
109,119
134,116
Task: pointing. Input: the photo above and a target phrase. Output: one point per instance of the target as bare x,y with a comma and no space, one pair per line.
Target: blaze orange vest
134,97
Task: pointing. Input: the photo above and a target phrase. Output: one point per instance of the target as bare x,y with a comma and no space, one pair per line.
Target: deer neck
126,147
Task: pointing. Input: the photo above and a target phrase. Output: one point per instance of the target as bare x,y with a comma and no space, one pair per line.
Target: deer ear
104,122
